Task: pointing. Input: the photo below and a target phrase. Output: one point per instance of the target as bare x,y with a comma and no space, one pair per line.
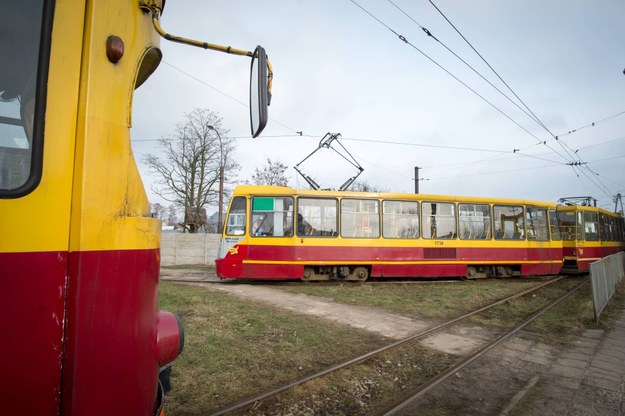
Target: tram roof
250,190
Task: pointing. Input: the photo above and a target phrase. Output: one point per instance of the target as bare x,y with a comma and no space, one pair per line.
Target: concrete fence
605,275
180,249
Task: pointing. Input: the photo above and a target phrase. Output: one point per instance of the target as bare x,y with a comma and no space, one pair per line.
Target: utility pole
618,200
416,179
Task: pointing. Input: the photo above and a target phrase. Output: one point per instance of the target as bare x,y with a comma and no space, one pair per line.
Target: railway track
337,282
418,391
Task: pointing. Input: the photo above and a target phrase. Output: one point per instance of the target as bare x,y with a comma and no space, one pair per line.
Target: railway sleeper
346,273
498,271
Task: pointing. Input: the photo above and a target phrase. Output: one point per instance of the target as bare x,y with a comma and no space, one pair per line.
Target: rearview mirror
258,91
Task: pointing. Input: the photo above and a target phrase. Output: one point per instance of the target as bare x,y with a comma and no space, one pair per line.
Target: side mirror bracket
261,73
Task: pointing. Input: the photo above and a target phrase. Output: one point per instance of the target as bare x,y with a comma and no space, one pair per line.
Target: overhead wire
525,110
571,153
530,114
223,93
407,42
592,124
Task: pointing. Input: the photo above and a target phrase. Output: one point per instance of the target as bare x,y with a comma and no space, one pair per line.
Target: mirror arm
205,45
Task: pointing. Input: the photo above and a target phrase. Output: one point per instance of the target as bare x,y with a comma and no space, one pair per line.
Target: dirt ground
489,386
520,377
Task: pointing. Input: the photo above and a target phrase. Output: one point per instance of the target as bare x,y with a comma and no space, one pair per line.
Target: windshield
20,35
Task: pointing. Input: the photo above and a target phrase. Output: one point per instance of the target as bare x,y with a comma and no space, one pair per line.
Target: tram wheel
471,272
361,274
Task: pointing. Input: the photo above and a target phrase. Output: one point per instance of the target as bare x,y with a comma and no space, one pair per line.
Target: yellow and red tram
79,251
283,233
588,234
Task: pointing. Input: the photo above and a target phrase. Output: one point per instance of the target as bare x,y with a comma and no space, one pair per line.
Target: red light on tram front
169,337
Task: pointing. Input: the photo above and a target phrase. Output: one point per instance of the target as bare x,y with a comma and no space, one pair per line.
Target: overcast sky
340,69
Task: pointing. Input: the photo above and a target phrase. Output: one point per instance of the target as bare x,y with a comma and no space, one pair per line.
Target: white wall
181,249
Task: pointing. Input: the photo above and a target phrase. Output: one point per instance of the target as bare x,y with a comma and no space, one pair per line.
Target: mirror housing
259,96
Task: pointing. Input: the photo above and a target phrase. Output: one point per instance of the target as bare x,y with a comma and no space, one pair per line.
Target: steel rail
263,396
419,391
351,282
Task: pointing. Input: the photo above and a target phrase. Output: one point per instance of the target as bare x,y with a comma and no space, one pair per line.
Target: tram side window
235,223
566,219
579,235
360,218
474,221
536,223
272,216
609,228
591,226
554,225
317,217
508,221
20,24
400,219
439,220
604,227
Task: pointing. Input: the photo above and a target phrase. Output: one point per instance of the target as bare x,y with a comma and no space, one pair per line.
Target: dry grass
423,300
236,348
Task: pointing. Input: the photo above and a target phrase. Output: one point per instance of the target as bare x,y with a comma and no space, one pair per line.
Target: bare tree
188,165
172,214
273,173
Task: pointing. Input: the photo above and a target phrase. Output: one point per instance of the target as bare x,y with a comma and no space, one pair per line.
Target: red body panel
32,317
111,326
285,262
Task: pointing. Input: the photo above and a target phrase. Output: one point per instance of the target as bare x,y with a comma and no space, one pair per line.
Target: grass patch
235,348
189,266
449,300
362,388
423,300
576,314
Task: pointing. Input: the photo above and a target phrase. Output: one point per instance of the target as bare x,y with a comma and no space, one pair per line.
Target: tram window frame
554,225
358,222
501,233
401,219
431,210
21,166
310,225
236,219
271,216
579,225
567,224
468,225
537,227
604,227
591,219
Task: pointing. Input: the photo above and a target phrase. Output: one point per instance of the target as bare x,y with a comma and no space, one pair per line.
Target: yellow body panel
249,190
110,207
91,196
40,221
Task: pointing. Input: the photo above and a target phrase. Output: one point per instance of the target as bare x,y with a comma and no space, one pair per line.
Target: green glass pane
262,204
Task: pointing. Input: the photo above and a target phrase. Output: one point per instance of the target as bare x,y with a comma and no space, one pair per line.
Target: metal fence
605,275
